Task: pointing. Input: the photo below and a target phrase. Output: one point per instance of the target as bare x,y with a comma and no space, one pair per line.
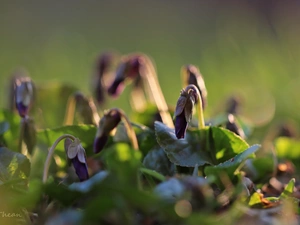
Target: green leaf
184,152
287,148
85,133
11,136
230,166
13,165
4,126
225,144
32,196
288,190
62,193
258,201
211,145
254,199
122,161
156,159
153,174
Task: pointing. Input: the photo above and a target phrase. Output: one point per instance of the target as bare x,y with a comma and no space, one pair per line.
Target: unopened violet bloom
129,68
194,77
108,122
23,95
233,126
76,154
184,109
104,63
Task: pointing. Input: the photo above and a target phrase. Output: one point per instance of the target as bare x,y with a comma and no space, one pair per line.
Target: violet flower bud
129,68
76,155
194,77
108,122
184,110
103,65
23,95
232,126
233,105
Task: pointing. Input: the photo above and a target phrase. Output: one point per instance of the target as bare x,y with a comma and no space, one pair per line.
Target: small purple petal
99,143
81,169
180,126
116,88
22,109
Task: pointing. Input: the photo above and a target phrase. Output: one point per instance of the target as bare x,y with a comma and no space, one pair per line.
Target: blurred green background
248,47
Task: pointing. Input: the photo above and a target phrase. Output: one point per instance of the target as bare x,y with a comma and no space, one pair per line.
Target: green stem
130,131
70,110
50,154
201,123
22,128
150,77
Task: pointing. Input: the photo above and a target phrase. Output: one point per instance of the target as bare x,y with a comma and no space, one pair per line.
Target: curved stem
96,117
137,99
70,110
50,154
130,132
150,77
201,123
22,128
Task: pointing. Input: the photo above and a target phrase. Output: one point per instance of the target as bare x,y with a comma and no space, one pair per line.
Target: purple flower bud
128,69
23,95
80,169
233,105
232,126
76,154
184,110
108,122
180,126
194,77
104,63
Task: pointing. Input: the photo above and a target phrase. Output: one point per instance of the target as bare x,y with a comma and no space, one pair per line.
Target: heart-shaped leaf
13,165
184,152
156,159
230,166
211,145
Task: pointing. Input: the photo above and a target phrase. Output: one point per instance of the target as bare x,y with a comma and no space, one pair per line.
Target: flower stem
22,128
201,123
50,154
130,132
150,77
70,110
137,99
